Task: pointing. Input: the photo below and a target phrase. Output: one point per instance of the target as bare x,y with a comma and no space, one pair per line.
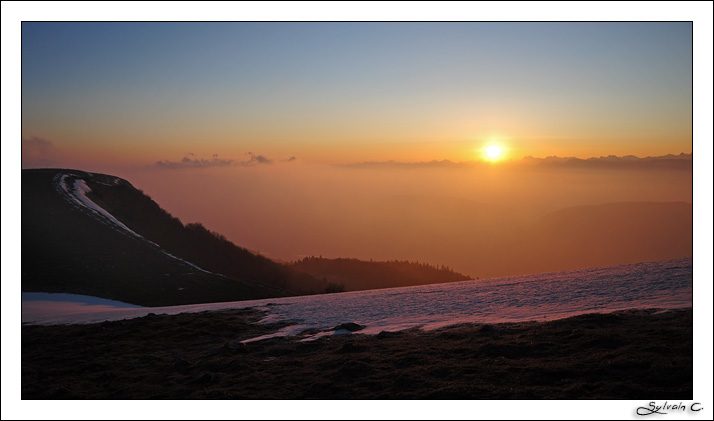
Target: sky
250,119
135,93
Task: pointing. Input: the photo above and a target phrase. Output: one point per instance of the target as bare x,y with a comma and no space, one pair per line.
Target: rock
352,327
384,334
236,346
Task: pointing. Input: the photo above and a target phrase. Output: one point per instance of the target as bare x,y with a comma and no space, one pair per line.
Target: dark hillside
356,275
65,249
193,242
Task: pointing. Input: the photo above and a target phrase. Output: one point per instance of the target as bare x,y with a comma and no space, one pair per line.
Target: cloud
187,162
256,159
682,161
191,161
39,152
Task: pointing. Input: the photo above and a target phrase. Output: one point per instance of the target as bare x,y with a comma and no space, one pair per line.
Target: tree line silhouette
354,275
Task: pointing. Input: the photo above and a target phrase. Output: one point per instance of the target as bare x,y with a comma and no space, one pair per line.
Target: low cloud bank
192,162
682,161
187,162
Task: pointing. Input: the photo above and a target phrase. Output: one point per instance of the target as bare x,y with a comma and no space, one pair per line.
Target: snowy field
664,284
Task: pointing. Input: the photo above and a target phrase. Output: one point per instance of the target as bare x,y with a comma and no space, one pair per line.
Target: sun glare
493,152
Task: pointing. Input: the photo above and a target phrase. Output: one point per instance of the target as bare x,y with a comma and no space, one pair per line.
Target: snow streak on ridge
77,195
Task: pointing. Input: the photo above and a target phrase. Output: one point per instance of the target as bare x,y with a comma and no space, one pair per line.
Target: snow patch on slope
80,191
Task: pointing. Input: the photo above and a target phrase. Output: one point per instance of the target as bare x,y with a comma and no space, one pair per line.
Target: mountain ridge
67,248
96,234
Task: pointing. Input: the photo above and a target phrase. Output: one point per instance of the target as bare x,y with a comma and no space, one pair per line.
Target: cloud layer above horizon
215,161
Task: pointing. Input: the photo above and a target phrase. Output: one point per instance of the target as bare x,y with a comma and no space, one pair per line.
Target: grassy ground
625,355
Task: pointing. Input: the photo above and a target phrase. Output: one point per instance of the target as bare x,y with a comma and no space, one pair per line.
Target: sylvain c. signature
653,408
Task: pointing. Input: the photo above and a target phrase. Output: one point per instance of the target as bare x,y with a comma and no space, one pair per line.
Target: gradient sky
137,93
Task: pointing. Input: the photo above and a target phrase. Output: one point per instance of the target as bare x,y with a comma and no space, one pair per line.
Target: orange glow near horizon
474,220
353,92
39,151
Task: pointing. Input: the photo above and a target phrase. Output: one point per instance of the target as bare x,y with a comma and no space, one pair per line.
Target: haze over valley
482,220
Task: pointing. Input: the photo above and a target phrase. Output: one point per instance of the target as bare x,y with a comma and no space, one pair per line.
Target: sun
493,152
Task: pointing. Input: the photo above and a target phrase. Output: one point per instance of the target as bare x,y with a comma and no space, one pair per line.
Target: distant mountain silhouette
665,162
629,162
356,275
150,259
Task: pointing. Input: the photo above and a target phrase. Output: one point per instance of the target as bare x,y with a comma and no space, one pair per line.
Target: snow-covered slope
663,284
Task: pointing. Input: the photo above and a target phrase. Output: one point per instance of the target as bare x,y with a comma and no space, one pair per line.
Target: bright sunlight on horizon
493,152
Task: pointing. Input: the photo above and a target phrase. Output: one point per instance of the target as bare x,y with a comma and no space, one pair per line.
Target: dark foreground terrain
624,355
